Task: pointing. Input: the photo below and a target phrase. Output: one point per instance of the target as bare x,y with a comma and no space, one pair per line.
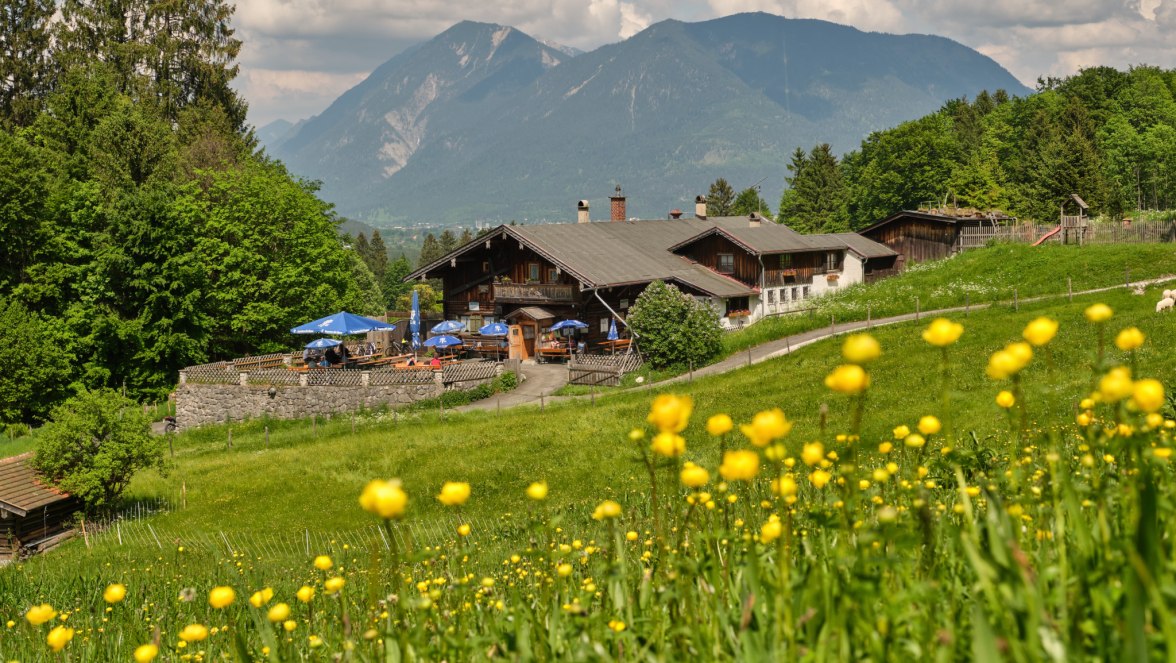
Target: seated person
435,362
412,361
331,356
344,355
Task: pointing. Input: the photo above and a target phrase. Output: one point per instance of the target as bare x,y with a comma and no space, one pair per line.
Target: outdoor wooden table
619,344
554,353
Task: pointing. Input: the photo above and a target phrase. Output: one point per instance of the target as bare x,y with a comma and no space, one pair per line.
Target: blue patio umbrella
494,329
443,341
612,330
414,321
319,343
569,324
342,323
448,327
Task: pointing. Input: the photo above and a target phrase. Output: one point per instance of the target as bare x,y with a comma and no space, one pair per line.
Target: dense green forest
1107,135
143,229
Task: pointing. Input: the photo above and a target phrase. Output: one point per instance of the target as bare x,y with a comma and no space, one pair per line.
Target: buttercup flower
668,444
784,486
720,424
146,653
1006,399
305,593
861,349
771,530
537,491
454,493
114,593
463,529
334,585
766,426
1008,362
39,614
694,476
929,425
820,478
849,379
1148,395
943,332
1129,339
323,563
1040,331
740,465
670,413
261,597
194,633
1116,385
59,637
812,453
900,432
278,613
914,441
221,597
1099,313
607,509
386,499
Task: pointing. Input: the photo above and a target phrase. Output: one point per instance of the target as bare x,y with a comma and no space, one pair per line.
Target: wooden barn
919,236
34,516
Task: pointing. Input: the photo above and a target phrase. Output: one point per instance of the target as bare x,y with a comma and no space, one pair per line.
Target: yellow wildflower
740,465
454,493
1116,385
943,332
860,349
39,614
115,593
1006,399
334,585
537,491
812,453
670,445
771,530
849,379
719,424
221,597
386,499
1040,331
146,653
694,476
59,637
1129,339
305,593
1148,395
606,510
820,478
194,633
766,426
1099,313
670,413
278,613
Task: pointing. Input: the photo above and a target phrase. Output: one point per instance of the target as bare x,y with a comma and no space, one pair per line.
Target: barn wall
916,240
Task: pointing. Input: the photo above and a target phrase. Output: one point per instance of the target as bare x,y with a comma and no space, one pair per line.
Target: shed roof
864,246
950,219
21,490
535,313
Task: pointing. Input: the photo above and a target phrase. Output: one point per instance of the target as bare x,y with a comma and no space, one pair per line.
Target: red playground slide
1047,235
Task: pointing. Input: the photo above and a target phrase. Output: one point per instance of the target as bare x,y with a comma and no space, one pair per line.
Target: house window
804,292
533,271
624,304
485,266
833,261
475,305
604,325
785,260
737,304
552,275
771,296
726,263
795,292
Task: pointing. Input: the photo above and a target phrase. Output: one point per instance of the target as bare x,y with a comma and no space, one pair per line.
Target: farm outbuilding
919,236
34,516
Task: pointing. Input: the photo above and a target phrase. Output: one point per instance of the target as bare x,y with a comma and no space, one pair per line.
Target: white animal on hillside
1165,304
1169,294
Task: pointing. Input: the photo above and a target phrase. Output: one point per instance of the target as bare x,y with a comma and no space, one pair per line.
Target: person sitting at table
435,362
331,357
411,361
344,355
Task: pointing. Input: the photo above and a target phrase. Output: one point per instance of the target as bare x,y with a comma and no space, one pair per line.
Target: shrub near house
673,327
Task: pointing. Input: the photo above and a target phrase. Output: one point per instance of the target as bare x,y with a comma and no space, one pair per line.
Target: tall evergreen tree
25,64
815,199
360,246
748,201
430,250
720,198
466,237
394,285
448,241
377,256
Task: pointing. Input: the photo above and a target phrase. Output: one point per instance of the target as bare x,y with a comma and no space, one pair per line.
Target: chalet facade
34,516
919,236
533,276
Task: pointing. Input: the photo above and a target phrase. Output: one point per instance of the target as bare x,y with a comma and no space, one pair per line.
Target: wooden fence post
918,306
967,304
869,317
1070,288
267,437
1016,300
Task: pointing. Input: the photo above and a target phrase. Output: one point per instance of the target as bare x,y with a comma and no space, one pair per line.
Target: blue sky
299,55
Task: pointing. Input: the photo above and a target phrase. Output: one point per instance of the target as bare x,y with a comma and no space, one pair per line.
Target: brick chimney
675,214
700,207
618,206
754,220
582,212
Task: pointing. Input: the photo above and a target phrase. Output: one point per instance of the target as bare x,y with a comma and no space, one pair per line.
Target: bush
95,444
674,328
36,366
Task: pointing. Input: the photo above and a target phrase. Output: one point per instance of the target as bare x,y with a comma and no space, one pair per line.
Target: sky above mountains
299,55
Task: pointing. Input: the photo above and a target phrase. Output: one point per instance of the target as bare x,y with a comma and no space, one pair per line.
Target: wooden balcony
534,293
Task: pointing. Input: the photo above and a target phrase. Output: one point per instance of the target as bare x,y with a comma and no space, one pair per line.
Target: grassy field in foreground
1035,558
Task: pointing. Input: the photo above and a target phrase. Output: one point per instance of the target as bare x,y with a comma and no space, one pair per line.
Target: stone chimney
675,214
618,206
700,207
754,220
582,212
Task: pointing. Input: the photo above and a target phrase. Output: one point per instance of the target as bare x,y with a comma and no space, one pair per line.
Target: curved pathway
531,394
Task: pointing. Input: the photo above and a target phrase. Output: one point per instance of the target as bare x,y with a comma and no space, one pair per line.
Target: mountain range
484,122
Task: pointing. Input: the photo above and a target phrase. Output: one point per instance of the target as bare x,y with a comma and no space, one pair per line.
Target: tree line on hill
143,229
1104,134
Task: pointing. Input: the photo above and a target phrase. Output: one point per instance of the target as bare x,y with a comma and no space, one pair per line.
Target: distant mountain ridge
484,122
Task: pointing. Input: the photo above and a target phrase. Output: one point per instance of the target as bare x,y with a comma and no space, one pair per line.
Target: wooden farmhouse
533,276
918,236
34,516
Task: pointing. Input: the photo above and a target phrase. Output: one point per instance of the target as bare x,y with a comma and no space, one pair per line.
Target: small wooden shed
918,236
34,516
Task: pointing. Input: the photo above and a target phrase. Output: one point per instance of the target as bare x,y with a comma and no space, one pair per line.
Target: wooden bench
553,353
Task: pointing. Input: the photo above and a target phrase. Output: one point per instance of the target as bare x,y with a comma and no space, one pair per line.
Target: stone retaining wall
201,404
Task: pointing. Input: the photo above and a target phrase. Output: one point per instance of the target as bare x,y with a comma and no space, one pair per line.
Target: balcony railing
534,292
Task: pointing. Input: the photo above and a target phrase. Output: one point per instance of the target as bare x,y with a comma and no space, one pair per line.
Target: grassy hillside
274,508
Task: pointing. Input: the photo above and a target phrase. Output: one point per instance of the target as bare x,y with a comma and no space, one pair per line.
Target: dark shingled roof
21,491
950,219
864,246
603,254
